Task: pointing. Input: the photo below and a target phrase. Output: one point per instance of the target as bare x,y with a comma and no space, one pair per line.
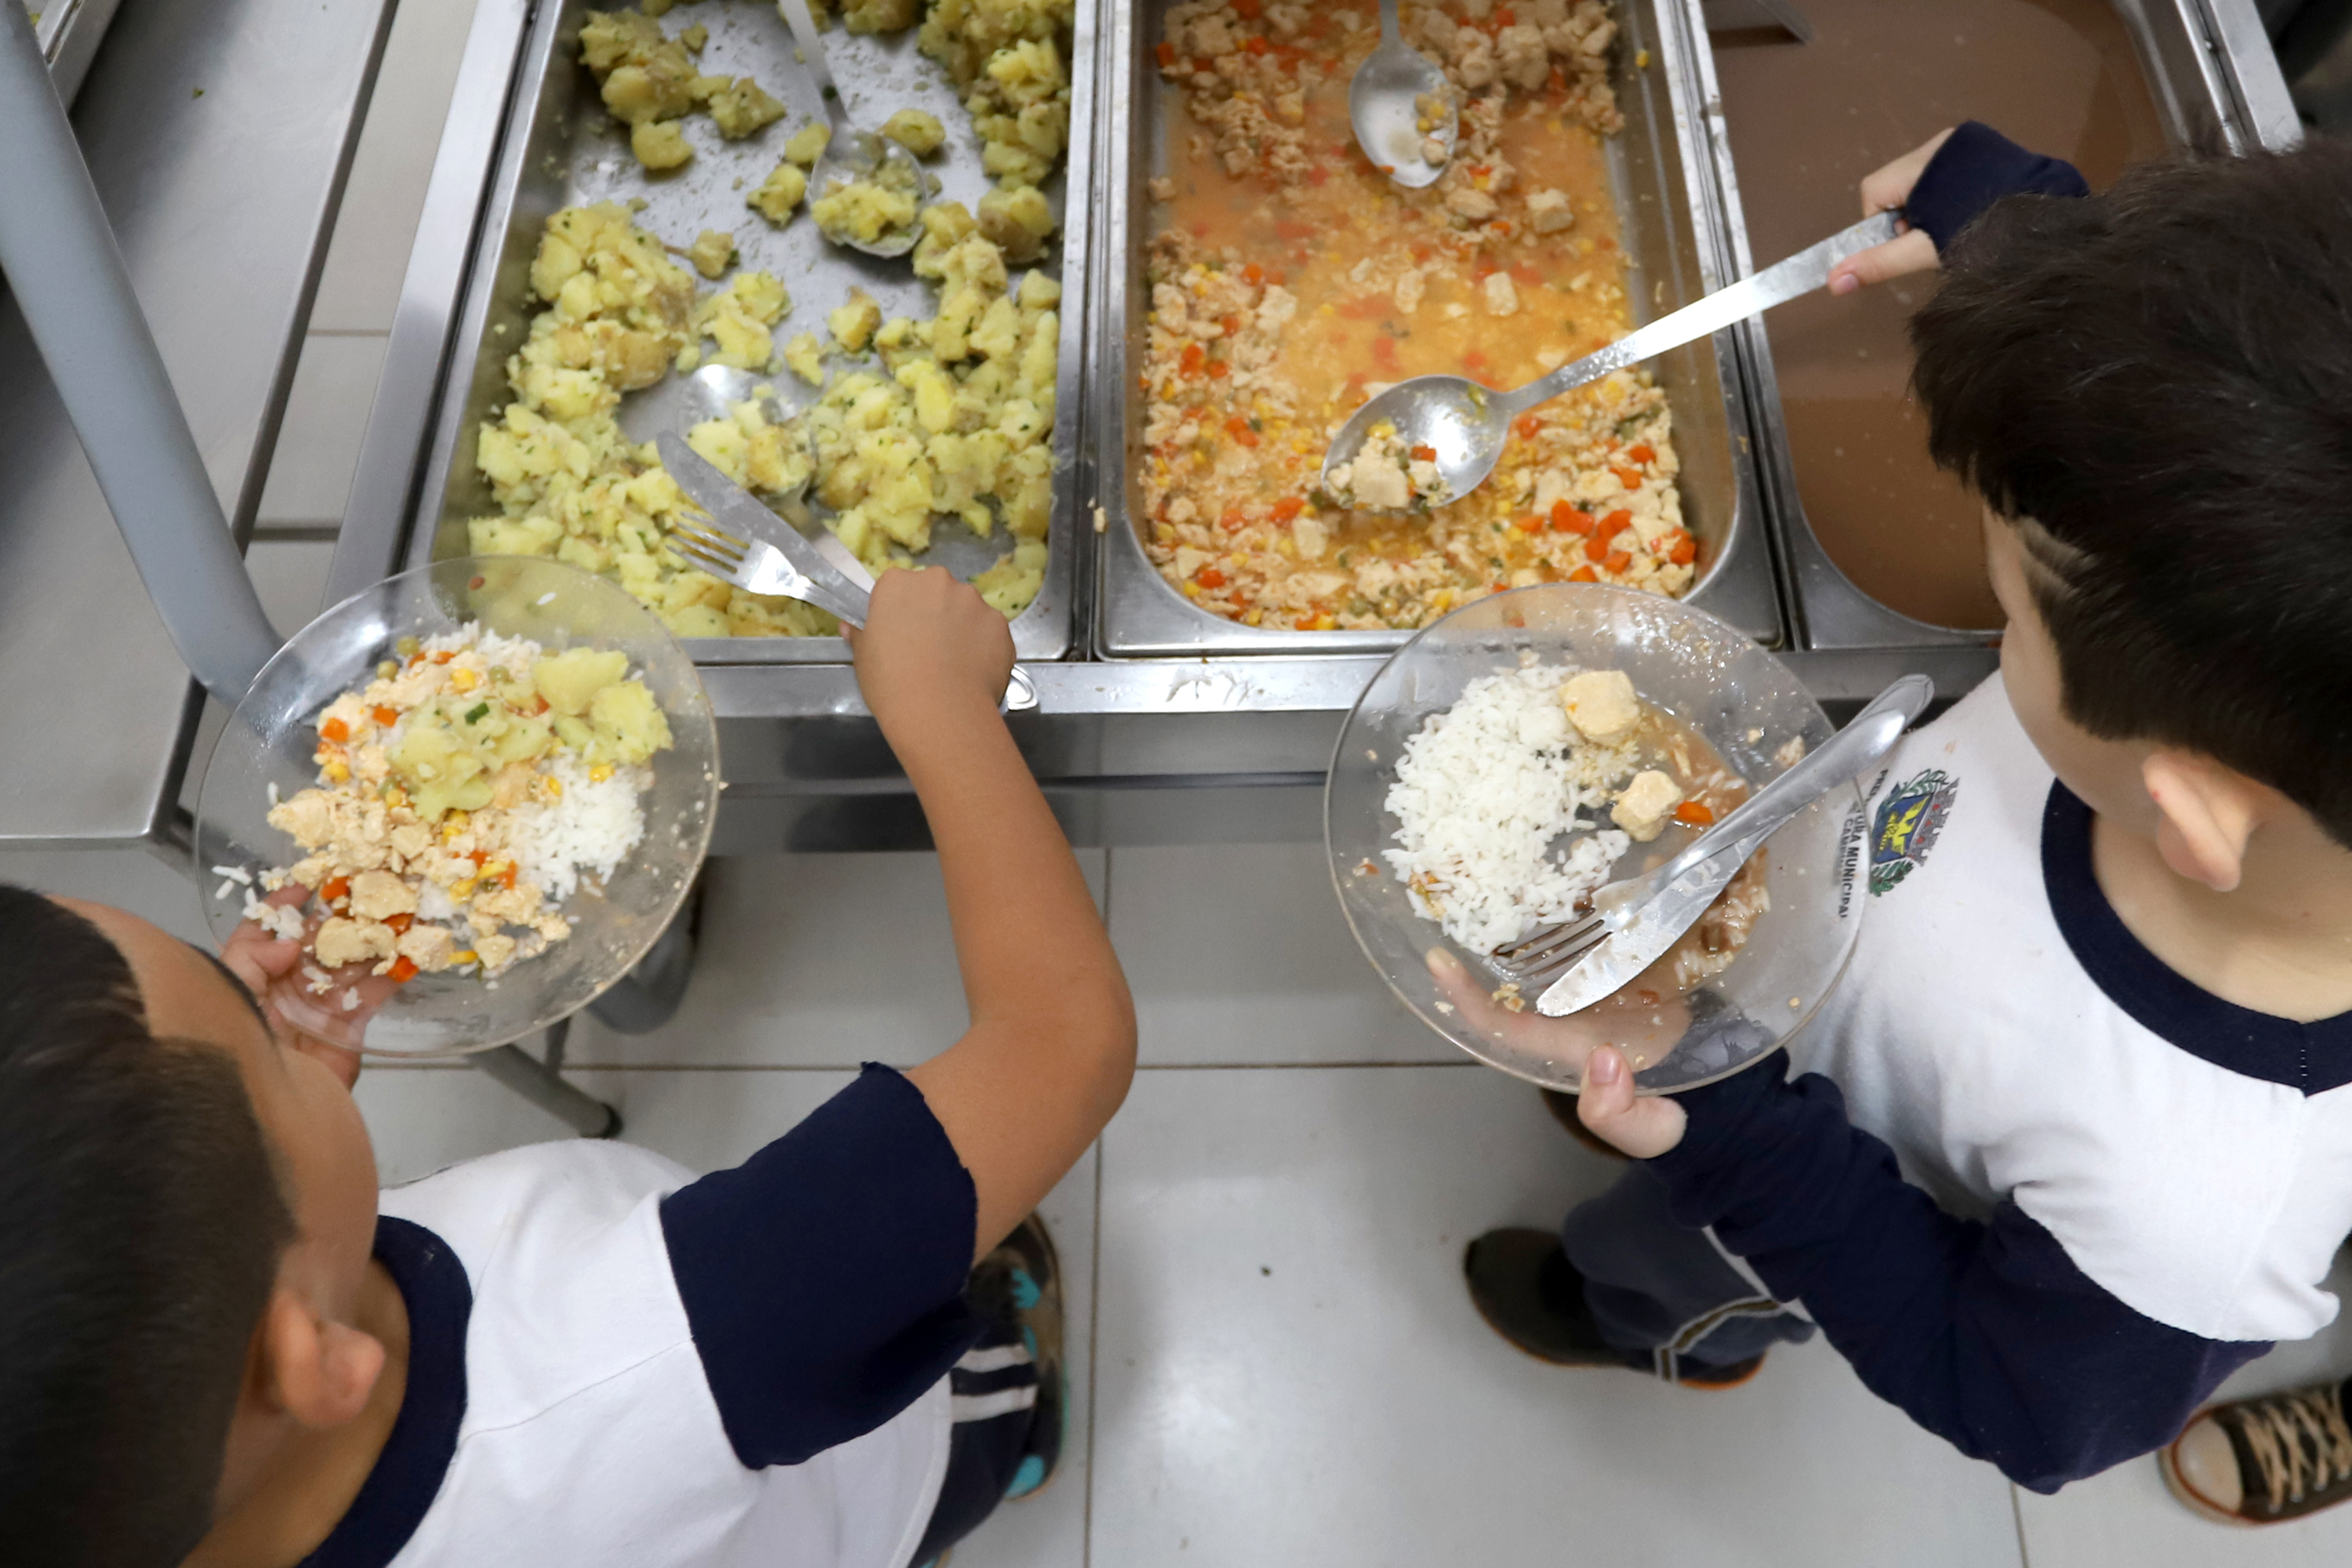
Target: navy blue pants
1662,1289
995,1388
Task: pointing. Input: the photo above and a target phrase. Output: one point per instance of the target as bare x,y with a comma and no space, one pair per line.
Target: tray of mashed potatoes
1261,278
655,257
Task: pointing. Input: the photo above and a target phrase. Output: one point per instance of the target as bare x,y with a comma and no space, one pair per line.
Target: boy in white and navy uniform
221,1347
748,1369
2071,1139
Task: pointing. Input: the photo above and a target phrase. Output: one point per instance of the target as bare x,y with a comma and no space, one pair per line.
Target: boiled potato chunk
570,679
629,725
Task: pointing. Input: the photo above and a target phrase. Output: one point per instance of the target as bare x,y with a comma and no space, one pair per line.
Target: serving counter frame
1133,745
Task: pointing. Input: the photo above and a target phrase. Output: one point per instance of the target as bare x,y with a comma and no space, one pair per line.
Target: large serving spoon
853,154
1466,424
1384,103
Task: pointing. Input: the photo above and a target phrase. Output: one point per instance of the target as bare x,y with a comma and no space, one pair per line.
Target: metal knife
1652,930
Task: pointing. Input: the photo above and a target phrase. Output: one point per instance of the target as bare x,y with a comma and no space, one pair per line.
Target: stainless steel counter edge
384,484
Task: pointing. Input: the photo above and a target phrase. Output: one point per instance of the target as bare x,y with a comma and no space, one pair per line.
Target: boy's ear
313,1369
2205,816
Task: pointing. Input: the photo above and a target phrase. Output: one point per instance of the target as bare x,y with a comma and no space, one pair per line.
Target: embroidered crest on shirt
1909,819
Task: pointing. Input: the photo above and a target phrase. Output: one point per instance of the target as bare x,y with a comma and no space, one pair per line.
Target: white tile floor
1272,1359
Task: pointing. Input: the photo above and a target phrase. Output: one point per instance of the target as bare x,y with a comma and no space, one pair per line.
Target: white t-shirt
599,1376
2008,1037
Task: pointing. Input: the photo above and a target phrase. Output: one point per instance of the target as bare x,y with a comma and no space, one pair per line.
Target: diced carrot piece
1618,561
1253,273
1629,477
1596,547
1684,550
1694,812
1643,454
1475,360
1219,370
1191,360
335,730
1229,325
1247,10
1530,523
1525,425
335,887
1584,575
1233,521
1239,429
1167,55
1504,17
1254,46
404,969
399,922
1528,273
1209,577
478,857
1424,454
387,717
444,657
1288,507
1615,523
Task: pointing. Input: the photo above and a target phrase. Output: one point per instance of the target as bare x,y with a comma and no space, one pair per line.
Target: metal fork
1550,952
762,568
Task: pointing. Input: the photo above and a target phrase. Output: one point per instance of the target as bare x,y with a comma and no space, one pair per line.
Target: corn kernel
600,772
463,680
465,955
461,891
336,772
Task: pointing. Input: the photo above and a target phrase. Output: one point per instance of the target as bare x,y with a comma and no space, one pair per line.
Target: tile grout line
1094,1353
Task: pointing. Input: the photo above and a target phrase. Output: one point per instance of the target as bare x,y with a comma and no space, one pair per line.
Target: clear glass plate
271,739
1703,671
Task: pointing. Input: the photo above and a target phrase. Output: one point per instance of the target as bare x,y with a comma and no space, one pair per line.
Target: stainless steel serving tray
560,149
1662,167
2216,85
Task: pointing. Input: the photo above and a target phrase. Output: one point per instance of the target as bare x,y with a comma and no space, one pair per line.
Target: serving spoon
1384,105
852,154
1464,423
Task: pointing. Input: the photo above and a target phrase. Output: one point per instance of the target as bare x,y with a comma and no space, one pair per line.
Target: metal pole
546,1088
59,257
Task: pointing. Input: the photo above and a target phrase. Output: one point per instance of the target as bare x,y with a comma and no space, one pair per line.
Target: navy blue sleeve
824,1277
1974,168
1985,1334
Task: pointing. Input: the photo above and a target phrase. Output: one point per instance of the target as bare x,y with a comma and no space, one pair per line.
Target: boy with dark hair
2077,1142
218,1346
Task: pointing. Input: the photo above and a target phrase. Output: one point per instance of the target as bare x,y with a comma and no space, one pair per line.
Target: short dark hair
2156,384
141,1225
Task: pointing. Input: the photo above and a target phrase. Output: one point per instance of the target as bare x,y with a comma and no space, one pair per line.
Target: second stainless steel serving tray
1661,170
560,149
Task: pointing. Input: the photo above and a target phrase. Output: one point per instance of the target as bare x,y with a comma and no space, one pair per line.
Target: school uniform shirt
2042,1190
614,1362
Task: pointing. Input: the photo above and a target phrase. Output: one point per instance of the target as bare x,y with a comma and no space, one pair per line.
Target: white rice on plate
1483,791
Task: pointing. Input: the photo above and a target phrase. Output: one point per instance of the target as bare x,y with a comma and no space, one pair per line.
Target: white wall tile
1291,1371
1240,954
